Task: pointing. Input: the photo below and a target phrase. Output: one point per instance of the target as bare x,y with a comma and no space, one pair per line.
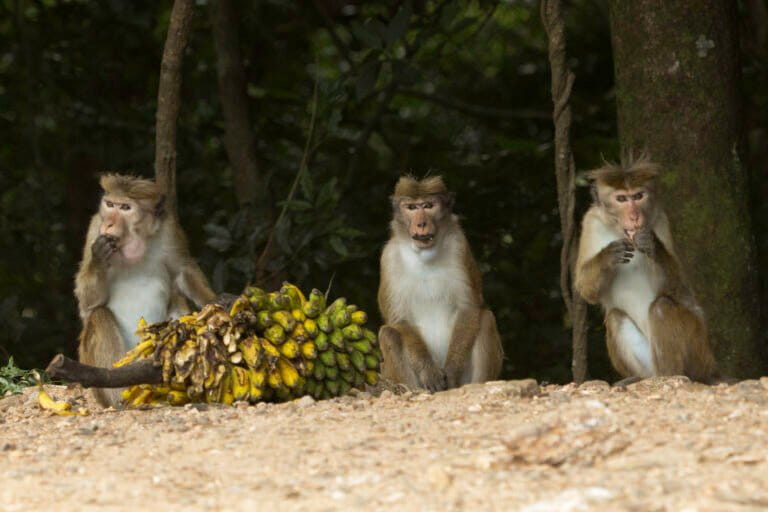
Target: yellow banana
240,383
134,353
288,373
290,348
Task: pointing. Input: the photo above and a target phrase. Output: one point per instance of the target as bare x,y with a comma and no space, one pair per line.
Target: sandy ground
658,445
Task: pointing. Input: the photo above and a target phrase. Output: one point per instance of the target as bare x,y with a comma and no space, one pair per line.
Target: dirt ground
658,445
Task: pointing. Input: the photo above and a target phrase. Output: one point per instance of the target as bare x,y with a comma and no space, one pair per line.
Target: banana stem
141,372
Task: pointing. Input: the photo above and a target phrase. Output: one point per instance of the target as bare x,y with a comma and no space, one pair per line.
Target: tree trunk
678,97
238,138
168,100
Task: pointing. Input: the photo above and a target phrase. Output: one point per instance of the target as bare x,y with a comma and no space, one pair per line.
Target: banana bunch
268,346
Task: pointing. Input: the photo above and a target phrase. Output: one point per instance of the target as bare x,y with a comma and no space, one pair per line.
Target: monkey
627,263
437,333
135,264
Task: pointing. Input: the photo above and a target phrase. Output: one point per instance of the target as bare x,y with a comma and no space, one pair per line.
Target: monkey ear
160,207
593,193
449,199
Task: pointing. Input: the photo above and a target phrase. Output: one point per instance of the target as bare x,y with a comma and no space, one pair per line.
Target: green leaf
366,79
338,245
366,35
349,232
307,187
297,205
398,26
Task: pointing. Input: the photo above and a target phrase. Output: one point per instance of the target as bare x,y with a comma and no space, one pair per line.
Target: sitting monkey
437,333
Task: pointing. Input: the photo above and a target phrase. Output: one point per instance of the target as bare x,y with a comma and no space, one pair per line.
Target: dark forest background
451,87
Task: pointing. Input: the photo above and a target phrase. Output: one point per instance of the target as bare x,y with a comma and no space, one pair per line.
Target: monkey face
421,217
129,222
631,209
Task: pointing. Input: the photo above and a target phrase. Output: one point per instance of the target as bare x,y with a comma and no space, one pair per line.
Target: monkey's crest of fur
410,187
630,173
129,186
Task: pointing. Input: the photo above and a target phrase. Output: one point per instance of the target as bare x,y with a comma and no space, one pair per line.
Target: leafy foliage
13,379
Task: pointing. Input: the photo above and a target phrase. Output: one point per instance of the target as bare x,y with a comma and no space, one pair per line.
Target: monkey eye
109,204
411,206
125,207
621,198
427,205
638,196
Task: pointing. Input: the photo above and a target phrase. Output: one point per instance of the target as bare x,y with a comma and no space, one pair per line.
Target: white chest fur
429,289
141,290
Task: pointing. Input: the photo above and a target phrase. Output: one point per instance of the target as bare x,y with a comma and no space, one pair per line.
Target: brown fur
474,352
631,173
101,342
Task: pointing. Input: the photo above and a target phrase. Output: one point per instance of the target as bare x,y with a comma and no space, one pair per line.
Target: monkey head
420,208
626,194
131,211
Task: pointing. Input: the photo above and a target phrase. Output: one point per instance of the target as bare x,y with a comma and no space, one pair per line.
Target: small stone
305,401
475,408
764,382
386,394
439,477
241,404
7,447
421,397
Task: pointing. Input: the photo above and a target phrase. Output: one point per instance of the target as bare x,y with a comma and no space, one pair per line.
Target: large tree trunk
677,91
233,93
168,99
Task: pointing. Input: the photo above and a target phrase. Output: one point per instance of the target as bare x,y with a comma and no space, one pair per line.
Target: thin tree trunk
233,94
678,97
168,100
565,172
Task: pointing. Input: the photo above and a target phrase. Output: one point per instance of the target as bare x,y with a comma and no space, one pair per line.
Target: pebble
305,401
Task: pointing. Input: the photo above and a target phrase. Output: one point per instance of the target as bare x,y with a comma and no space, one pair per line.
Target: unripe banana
275,334
328,358
319,370
264,319
337,339
340,318
257,297
270,350
332,386
321,342
342,361
284,319
299,333
274,379
371,363
352,332
294,294
362,345
371,377
315,304
324,323
339,303
331,373
358,360
277,301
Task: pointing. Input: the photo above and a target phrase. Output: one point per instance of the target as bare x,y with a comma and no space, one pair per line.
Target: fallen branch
141,372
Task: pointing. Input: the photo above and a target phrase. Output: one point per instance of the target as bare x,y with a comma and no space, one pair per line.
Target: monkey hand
432,378
619,252
645,242
103,248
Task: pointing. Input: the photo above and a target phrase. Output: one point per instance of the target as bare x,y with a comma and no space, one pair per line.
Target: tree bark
142,372
168,100
678,97
565,172
233,93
